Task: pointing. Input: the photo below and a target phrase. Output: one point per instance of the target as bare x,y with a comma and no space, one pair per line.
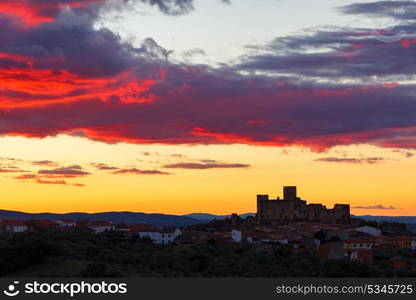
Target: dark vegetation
385,225
81,253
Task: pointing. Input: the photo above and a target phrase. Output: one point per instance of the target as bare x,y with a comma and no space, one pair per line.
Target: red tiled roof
11,222
42,222
100,223
380,237
359,242
142,228
67,221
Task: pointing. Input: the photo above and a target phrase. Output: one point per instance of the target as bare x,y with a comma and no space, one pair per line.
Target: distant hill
208,217
401,219
163,219
410,221
115,217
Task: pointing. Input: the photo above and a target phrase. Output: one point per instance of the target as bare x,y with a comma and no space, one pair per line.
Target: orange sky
100,101
387,181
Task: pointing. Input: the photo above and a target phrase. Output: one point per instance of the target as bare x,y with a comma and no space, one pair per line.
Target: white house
66,223
359,244
369,230
164,236
101,226
413,245
13,226
236,235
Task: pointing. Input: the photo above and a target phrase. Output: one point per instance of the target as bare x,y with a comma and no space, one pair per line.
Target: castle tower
289,193
261,203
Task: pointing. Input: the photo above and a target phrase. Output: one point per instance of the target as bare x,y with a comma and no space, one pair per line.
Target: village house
359,244
13,226
361,250
369,230
189,237
331,250
123,228
101,226
66,223
169,235
40,224
265,237
400,242
159,236
237,236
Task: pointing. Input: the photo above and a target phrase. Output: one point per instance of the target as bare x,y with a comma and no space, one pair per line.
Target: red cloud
29,87
25,176
11,170
58,182
40,180
35,12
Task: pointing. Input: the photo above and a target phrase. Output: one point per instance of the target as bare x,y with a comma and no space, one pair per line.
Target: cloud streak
41,180
135,171
204,166
378,206
103,167
64,172
366,160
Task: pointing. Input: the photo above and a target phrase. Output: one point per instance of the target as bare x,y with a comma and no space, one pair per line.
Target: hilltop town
289,224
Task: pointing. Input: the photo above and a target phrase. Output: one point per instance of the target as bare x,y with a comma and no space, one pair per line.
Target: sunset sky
181,106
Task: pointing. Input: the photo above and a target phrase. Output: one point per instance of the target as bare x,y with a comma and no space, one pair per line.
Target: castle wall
277,210
292,208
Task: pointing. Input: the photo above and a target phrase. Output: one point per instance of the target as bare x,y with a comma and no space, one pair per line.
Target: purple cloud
366,160
378,206
203,166
134,171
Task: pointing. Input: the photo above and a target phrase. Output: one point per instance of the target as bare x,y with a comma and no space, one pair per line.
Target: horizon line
179,215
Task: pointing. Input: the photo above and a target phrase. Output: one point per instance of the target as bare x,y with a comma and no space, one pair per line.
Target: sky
181,106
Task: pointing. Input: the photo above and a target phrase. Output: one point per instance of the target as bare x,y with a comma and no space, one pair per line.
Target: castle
293,208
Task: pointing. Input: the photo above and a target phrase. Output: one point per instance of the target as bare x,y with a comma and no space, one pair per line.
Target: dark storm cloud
405,10
337,86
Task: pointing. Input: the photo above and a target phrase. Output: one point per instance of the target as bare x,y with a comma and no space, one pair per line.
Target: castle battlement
293,208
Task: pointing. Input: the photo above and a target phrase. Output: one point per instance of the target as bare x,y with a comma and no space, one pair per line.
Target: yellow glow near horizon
219,191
